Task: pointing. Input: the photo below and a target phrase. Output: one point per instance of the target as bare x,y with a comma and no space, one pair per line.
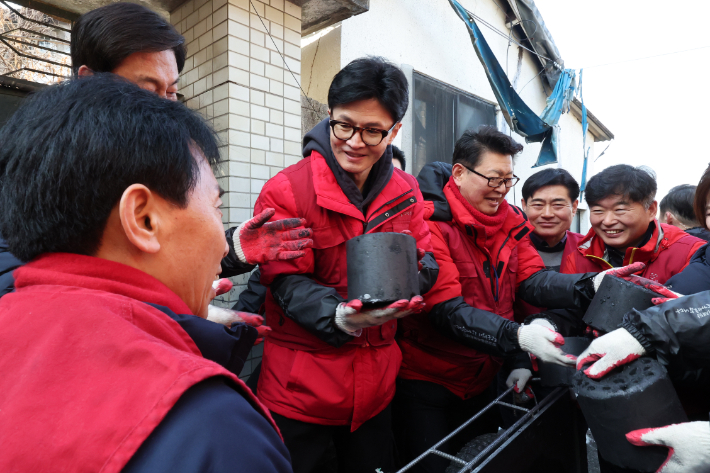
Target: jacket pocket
329,254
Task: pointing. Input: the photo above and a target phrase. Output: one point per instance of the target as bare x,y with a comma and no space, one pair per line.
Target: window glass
441,115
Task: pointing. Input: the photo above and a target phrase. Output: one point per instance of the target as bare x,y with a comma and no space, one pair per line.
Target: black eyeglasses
370,136
496,181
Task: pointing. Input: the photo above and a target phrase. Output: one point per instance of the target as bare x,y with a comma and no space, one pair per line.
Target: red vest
460,251
668,251
88,369
302,377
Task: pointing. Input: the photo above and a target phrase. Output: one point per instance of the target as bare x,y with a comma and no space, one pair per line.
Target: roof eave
596,127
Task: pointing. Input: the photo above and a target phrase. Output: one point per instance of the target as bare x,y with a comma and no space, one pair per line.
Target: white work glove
609,351
351,319
618,272
520,377
544,343
689,445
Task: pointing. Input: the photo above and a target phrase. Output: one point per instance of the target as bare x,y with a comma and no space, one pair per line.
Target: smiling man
329,367
622,209
121,235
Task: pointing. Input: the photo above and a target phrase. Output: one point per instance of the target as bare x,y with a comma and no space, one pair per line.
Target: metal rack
545,430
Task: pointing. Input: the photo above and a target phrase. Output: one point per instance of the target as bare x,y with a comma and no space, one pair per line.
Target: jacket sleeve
420,229
678,329
231,264
211,427
453,317
311,305
253,297
553,290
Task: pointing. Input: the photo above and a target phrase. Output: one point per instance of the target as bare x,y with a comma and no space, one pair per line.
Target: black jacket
700,232
457,320
696,276
677,333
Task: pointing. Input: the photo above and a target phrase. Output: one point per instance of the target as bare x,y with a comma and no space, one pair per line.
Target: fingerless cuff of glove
636,333
236,242
342,324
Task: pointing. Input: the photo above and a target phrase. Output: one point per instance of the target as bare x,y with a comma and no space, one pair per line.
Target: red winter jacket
88,369
667,252
302,377
460,251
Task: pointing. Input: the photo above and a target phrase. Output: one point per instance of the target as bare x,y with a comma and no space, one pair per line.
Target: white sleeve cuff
238,244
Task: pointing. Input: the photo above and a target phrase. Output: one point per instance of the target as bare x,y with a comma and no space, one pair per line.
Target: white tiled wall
235,77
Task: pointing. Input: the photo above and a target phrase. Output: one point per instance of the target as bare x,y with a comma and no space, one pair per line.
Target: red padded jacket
460,250
302,377
667,252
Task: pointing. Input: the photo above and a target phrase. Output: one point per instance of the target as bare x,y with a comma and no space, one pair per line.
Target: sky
656,108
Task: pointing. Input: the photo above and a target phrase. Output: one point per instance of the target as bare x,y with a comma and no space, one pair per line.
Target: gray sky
656,107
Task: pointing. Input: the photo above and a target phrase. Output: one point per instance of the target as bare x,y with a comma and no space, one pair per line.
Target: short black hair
679,202
636,184
72,149
398,154
473,144
371,77
551,177
102,38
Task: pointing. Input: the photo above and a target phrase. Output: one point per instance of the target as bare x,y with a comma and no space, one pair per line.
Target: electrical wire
284,59
647,57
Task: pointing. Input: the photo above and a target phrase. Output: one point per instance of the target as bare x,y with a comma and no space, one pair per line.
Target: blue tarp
585,126
518,115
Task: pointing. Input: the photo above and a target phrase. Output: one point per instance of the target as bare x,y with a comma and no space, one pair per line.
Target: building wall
235,76
429,38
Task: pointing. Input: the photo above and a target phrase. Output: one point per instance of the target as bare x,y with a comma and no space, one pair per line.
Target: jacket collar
329,194
88,272
593,247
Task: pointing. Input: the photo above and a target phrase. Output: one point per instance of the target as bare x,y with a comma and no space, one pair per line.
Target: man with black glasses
329,367
452,354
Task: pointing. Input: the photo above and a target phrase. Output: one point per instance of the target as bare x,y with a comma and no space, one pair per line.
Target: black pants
425,412
368,448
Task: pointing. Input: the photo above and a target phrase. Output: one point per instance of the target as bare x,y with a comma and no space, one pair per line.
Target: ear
84,71
575,204
458,172
393,135
523,205
139,211
667,218
652,210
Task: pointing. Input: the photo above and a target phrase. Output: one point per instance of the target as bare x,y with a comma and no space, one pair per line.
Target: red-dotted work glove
351,319
230,317
664,294
544,344
257,241
520,378
609,351
688,444
618,272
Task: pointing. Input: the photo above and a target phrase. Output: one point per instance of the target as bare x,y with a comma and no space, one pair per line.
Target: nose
355,141
226,249
609,219
547,211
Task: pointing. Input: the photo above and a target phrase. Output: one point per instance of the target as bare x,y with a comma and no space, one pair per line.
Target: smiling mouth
613,232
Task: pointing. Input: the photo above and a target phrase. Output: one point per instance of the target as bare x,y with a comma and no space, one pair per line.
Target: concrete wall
429,38
235,76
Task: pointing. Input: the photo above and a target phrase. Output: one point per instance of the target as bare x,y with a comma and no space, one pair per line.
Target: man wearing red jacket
625,229
481,243
329,368
550,199
107,191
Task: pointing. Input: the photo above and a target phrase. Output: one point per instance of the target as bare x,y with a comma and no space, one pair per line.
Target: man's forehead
614,200
551,193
